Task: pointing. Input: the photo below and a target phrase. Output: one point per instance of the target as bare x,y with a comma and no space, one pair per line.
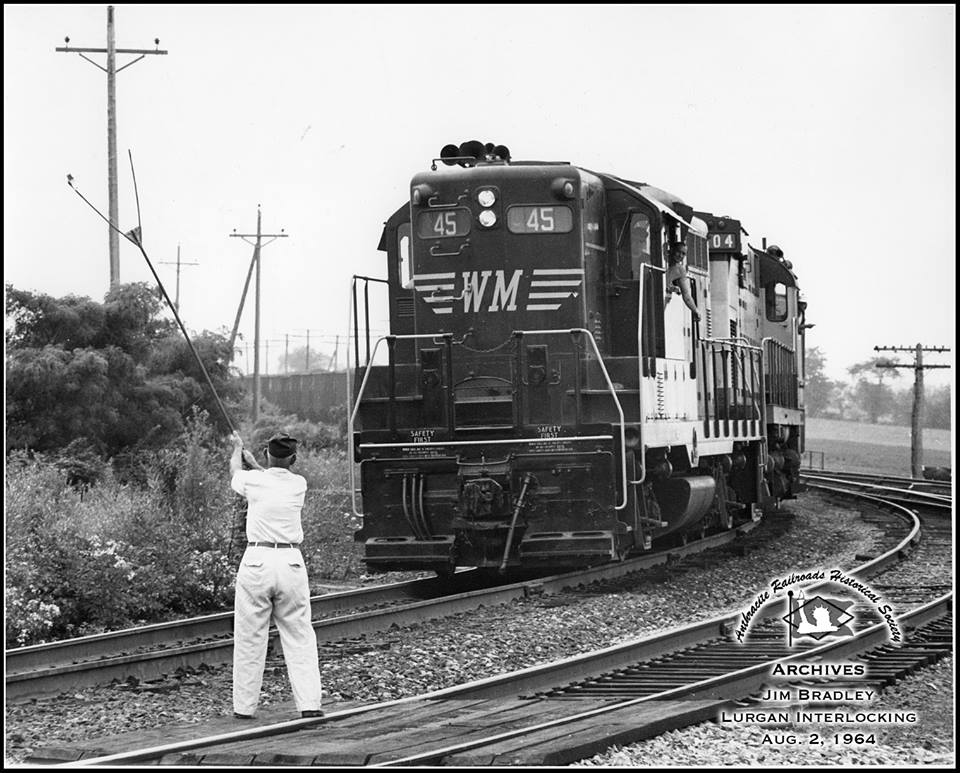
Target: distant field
848,445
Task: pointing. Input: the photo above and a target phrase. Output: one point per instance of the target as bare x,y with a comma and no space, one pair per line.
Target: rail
534,678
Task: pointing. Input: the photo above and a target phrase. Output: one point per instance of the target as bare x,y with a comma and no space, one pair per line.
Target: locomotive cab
783,342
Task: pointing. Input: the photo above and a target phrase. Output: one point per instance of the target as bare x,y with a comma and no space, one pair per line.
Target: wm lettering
504,292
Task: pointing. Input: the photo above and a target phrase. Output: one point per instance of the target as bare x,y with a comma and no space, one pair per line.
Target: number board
528,219
442,223
724,242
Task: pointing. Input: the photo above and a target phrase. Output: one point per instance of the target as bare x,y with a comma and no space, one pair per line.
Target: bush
88,550
109,555
328,544
312,436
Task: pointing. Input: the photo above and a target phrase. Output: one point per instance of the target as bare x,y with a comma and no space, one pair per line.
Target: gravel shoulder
930,742
468,646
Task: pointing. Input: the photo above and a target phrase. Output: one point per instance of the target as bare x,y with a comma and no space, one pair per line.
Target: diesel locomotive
545,398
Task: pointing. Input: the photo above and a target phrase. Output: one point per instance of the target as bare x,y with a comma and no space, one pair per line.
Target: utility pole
256,326
916,418
176,303
306,367
336,349
111,70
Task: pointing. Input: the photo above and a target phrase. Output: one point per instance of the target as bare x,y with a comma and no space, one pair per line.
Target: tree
115,375
874,397
818,393
302,360
938,408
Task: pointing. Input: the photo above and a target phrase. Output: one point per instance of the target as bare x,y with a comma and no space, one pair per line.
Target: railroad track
895,481
572,708
906,491
149,652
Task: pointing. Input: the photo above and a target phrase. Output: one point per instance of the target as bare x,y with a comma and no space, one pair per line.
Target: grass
878,448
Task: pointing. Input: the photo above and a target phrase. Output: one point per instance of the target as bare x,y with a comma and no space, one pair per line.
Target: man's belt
272,545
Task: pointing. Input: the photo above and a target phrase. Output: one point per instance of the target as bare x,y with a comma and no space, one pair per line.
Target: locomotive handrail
754,355
640,385
570,331
434,250
733,342
366,312
613,394
356,406
765,365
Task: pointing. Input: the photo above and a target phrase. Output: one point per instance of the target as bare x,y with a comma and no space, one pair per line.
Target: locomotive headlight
563,188
487,217
421,193
487,198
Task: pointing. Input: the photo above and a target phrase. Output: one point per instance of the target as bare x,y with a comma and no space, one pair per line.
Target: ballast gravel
478,644
929,742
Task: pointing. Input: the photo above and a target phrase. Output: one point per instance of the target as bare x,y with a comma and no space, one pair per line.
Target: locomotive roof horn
449,152
473,150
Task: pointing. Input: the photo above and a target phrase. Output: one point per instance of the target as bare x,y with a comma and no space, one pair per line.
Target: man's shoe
238,715
311,713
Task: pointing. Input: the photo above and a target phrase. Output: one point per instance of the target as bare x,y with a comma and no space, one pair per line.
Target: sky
830,130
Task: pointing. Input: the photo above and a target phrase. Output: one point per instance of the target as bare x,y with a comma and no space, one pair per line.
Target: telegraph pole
111,70
256,326
916,418
176,303
336,349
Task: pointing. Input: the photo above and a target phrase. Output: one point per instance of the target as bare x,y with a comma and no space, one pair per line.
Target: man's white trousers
272,582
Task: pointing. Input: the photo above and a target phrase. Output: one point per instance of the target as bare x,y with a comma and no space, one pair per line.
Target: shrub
111,552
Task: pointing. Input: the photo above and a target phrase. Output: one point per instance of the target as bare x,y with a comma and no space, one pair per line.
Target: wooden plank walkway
414,728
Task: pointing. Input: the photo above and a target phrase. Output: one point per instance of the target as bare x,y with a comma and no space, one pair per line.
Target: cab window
634,244
403,253
776,302
696,250
639,241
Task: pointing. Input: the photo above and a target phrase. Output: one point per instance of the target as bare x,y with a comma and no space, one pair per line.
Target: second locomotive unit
545,397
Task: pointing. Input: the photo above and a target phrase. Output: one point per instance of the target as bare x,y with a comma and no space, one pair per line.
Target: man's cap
282,445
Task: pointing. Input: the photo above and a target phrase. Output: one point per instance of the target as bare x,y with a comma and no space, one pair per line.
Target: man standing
272,579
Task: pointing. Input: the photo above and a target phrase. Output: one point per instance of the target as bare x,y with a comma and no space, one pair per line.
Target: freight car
545,397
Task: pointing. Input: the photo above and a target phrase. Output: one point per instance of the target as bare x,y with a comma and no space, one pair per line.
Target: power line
111,70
